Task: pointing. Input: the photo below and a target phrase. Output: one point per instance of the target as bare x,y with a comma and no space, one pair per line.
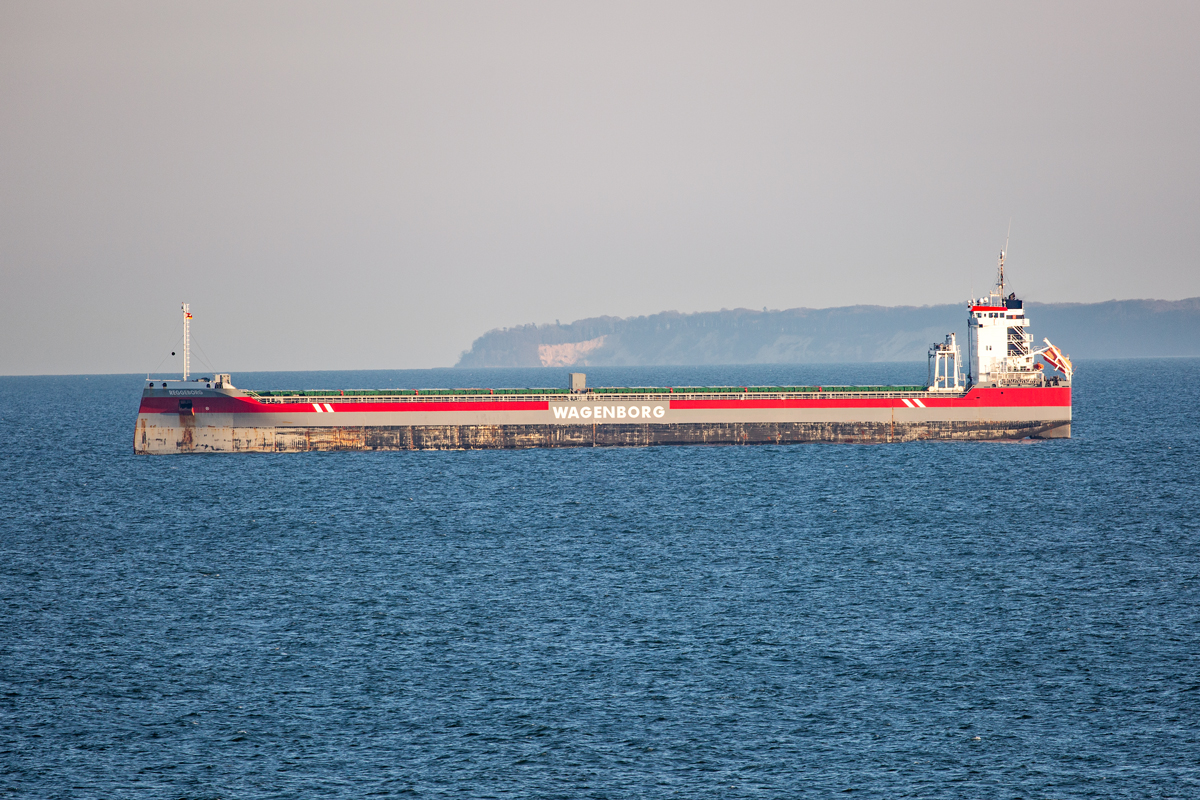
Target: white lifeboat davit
1057,359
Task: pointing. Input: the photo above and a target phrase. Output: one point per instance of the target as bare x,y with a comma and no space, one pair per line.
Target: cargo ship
1006,393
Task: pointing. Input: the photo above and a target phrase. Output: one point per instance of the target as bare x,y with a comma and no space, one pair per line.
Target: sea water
911,620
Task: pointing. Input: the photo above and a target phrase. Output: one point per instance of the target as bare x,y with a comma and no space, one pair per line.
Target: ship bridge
1000,345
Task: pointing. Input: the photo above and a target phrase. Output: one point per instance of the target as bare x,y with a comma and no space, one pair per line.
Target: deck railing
641,394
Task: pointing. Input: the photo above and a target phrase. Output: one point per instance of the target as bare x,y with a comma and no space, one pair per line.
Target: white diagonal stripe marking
317,406
906,402
329,408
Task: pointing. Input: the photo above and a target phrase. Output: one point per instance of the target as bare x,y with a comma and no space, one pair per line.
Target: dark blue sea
933,620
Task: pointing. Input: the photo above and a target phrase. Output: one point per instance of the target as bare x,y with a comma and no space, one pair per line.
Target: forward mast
187,340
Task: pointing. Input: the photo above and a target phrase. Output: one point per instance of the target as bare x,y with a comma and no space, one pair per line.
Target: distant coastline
1112,329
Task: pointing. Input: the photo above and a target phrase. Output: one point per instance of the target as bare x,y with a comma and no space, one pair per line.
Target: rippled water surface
917,620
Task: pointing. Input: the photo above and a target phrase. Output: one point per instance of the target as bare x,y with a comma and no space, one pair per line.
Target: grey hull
186,437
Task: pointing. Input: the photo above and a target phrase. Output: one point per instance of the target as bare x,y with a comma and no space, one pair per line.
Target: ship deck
600,393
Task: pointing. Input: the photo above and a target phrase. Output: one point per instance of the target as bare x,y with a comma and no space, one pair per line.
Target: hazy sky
357,185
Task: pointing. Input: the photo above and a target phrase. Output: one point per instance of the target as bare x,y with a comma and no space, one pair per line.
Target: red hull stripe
976,398
238,405
988,308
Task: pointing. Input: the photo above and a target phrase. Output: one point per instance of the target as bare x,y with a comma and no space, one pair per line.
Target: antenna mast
187,344
1000,275
1004,252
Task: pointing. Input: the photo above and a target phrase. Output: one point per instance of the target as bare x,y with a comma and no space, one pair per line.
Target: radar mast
1000,267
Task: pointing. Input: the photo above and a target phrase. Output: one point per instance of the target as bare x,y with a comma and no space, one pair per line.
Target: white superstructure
1001,349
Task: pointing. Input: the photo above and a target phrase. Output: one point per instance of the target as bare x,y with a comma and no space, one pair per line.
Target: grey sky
353,185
